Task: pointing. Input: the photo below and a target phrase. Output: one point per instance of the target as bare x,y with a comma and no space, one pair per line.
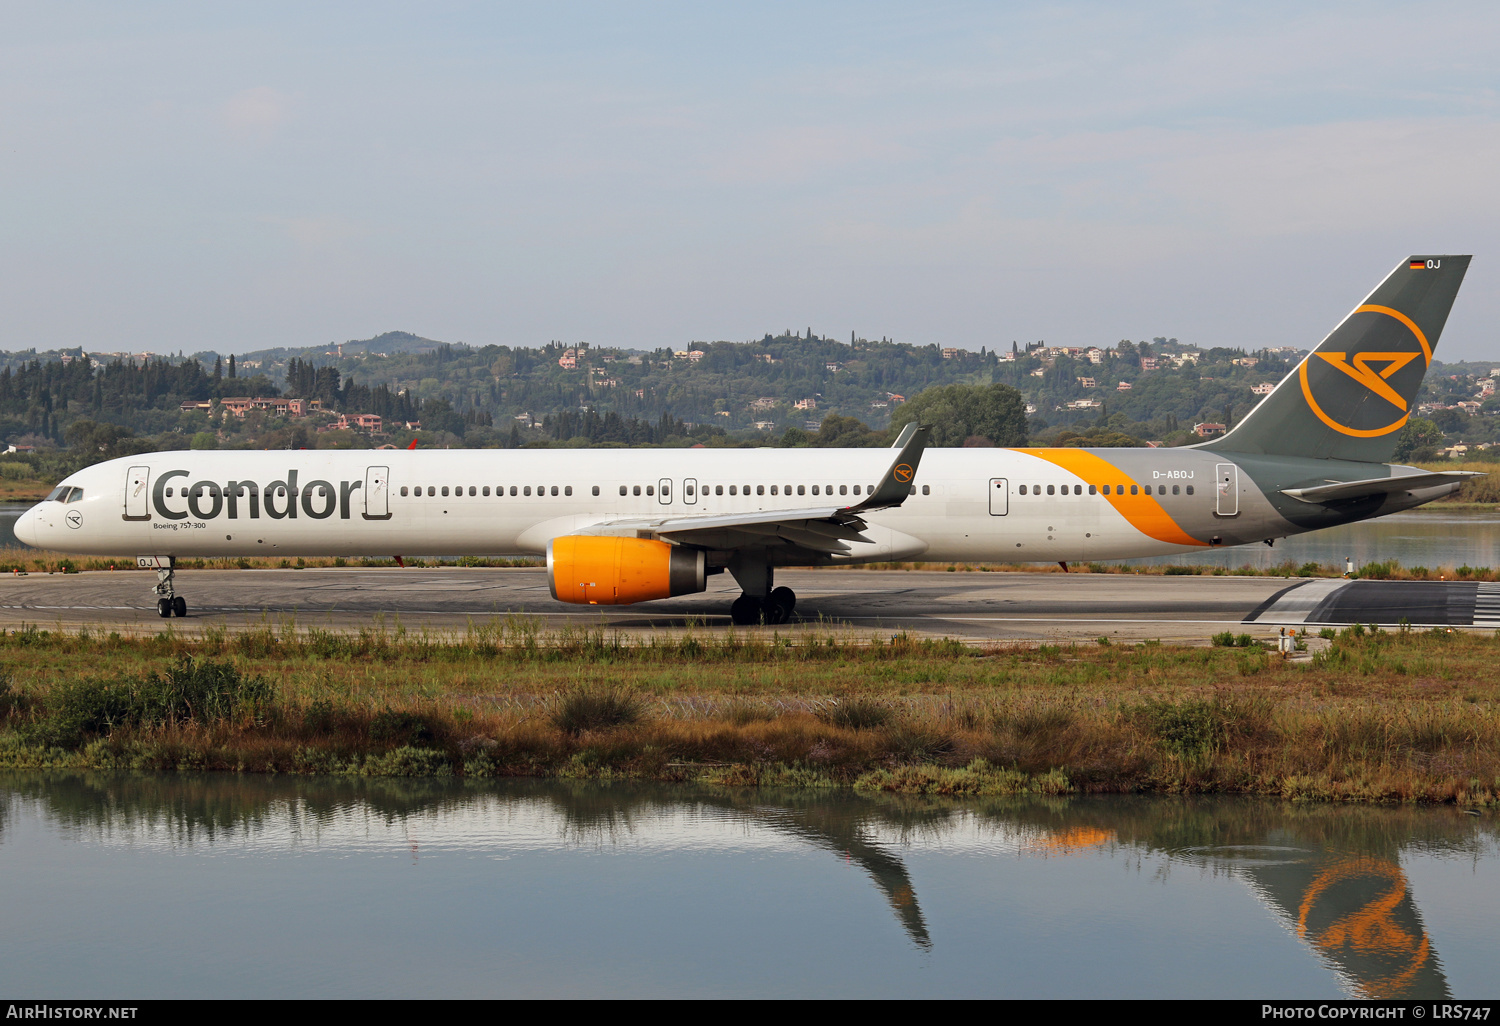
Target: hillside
779,389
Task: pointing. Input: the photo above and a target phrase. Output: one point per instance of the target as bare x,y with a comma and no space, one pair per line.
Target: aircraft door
377,491
664,490
690,491
138,493
999,496
1227,476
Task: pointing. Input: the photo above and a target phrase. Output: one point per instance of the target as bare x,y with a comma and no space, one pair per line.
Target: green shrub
1186,728
205,692
584,709
399,729
1309,570
857,714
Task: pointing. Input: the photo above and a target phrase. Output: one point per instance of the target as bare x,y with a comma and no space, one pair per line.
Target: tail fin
1355,391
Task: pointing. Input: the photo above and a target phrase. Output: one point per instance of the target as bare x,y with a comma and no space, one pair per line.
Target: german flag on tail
1418,265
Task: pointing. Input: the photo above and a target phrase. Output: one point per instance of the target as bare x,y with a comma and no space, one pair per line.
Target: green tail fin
1352,395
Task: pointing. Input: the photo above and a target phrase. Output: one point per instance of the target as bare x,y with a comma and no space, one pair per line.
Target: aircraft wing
1341,491
825,529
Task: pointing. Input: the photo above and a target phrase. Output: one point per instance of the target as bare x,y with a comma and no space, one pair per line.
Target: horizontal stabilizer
1345,490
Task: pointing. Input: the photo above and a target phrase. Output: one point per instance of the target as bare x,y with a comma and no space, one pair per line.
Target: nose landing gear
168,602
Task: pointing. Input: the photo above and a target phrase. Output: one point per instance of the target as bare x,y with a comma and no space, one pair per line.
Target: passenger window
1051,490
623,489
431,490
733,490
1023,489
1161,489
1134,489
471,491
1092,489
485,491
445,491
403,491
650,489
1190,489
856,489
690,492
526,490
58,493
802,489
596,489
636,490
760,489
773,489
719,489
1175,490
567,490
513,489
843,489
815,489
926,490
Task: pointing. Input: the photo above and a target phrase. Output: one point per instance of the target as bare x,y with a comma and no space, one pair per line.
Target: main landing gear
760,602
775,608
168,602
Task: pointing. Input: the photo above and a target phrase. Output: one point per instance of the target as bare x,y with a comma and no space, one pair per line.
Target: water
142,886
1432,538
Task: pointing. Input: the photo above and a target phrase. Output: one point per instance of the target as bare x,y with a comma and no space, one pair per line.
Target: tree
1419,439
956,412
847,433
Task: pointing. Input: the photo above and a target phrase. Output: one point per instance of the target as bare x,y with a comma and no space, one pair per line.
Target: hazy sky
202,176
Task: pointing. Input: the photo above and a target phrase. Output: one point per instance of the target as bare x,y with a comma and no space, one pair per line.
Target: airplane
625,526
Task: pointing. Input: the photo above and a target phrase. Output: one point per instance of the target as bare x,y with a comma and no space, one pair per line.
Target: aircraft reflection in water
1332,875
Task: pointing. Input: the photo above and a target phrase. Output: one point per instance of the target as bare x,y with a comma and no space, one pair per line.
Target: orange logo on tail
1358,367
902,473
1365,375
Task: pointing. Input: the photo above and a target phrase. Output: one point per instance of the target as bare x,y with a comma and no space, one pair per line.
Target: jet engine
606,571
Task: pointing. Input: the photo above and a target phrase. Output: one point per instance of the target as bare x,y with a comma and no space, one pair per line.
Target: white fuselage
966,503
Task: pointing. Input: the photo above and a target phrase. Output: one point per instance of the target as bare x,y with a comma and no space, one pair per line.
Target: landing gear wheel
745,611
179,606
164,608
785,598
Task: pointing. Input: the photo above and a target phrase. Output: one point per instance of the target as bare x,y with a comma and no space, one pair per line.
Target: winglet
413,444
905,435
896,485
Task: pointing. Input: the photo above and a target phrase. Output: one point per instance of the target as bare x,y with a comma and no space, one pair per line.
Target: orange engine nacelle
602,571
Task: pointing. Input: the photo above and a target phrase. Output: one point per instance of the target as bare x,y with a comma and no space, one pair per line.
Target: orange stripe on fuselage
1143,512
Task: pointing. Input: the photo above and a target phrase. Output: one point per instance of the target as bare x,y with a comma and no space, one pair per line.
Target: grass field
1386,716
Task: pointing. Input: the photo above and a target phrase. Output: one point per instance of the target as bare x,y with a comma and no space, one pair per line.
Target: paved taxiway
973,606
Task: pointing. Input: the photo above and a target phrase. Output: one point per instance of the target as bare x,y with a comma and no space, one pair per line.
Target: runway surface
972,606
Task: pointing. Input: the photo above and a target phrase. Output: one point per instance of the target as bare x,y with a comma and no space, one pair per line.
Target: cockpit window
59,494
74,495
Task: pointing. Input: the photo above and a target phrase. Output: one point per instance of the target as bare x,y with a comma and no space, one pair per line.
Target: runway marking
1487,605
1295,604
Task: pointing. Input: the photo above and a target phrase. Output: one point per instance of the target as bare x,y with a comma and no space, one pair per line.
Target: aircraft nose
26,528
